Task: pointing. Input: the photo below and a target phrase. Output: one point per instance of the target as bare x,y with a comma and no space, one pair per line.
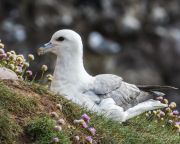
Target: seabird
105,93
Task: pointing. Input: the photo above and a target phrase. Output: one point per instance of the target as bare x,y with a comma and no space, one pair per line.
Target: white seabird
105,93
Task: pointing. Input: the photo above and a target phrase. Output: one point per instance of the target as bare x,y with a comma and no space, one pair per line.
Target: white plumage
106,93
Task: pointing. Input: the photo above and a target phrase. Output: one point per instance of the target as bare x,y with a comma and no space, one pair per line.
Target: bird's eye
60,39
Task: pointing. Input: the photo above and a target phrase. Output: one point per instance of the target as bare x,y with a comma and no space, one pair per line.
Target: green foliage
39,89
41,130
9,129
138,130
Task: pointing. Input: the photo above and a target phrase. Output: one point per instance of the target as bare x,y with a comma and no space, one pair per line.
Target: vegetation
30,113
41,130
25,118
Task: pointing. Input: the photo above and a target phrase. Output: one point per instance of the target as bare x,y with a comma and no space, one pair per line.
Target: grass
41,130
9,129
24,118
16,102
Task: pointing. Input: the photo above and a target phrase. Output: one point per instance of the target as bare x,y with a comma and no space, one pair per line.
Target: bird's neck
69,72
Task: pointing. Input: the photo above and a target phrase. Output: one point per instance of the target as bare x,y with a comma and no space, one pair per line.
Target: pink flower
84,125
86,118
92,130
177,123
61,122
29,73
3,56
54,114
89,139
162,113
55,140
175,112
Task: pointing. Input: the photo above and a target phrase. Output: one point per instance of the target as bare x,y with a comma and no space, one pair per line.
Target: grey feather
105,83
124,94
155,87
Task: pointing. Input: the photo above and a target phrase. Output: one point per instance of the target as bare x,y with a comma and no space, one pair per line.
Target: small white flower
81,121
59,106
55,140
77,138
58,128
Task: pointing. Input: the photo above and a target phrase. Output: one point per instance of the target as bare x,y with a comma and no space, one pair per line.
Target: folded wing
124,94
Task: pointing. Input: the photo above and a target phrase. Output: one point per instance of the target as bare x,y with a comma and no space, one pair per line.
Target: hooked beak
45,48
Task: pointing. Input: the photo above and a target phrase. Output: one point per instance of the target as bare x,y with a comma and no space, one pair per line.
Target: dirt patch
20,88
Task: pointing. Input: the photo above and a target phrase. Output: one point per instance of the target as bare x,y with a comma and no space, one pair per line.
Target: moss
41,130
9,129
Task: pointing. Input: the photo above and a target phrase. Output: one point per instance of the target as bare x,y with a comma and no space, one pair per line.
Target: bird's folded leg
143,107
117,113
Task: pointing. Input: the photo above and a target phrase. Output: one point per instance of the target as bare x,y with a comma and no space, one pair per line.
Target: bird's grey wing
127,95
105,83
112,86
124,94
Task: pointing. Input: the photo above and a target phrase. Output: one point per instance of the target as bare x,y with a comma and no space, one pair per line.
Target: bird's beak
45,48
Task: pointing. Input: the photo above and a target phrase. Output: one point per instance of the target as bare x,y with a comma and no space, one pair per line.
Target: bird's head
63,42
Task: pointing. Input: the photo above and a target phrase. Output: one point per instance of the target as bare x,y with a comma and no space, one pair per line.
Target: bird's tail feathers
144,96
156,94
150,88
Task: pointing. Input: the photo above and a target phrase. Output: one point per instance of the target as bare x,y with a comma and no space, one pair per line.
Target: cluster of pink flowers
84,122
20,65
15,62
58,127
169,115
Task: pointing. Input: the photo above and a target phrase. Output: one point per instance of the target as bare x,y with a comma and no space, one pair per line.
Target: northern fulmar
105,93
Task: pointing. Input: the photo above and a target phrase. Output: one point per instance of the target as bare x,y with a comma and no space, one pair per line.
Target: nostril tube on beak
45,48
48,45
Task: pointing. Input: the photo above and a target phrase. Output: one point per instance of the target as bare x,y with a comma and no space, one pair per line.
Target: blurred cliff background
138,40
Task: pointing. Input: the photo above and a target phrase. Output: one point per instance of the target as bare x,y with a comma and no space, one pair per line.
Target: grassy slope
24,118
